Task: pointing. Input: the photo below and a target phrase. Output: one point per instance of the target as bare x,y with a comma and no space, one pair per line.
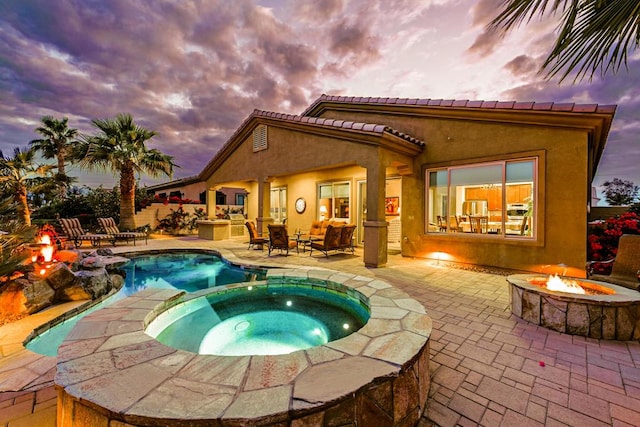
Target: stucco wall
562,198
189,191
283,164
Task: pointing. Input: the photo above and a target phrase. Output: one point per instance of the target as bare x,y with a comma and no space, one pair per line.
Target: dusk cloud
193,71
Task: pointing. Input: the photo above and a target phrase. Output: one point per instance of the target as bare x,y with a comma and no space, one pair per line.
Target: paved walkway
488,367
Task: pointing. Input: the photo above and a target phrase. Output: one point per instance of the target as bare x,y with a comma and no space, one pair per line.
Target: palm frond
593,35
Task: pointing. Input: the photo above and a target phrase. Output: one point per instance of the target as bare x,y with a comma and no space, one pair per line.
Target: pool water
259,320
188,271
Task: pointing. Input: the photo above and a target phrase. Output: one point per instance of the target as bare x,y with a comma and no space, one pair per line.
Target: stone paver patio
488,367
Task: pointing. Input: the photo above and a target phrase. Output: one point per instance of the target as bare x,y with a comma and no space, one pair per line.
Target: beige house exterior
409,172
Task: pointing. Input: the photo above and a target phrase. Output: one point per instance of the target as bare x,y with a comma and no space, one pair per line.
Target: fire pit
576,306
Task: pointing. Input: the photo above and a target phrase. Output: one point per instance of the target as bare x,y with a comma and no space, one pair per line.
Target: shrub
179,220
602,239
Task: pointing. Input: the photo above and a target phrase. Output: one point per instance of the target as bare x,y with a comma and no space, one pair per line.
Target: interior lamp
323,212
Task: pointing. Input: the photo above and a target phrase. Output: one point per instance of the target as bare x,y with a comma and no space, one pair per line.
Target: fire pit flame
47,248
555,283
44,257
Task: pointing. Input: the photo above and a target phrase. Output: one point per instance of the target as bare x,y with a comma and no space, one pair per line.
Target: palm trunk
23,206
63,173
127,198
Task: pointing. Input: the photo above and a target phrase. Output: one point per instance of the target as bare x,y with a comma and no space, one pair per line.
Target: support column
211,203
375,225
264,206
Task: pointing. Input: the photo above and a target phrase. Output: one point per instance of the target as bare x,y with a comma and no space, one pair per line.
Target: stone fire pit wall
111,373
611,317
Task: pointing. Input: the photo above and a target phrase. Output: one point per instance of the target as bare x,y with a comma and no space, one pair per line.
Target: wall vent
260,138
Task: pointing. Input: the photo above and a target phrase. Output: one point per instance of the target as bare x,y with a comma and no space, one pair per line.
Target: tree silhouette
619,192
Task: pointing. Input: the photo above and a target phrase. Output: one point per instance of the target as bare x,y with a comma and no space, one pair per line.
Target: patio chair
110,227
626,264
74,232
346,238
254,238
279,238
331,241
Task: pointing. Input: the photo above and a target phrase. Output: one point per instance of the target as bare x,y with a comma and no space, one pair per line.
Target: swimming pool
189,271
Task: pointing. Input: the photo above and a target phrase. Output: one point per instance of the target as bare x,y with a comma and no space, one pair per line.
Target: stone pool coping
109,369
22,369
613,317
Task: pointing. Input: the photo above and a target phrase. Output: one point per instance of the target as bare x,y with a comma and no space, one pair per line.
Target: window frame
535,224
332,205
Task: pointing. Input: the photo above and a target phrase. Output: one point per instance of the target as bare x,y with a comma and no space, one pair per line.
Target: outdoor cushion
254,238
110,227
279,238
74,232
331,240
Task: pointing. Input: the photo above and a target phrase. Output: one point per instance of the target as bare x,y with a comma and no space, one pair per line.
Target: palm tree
593,34
119,146
19,176
56,143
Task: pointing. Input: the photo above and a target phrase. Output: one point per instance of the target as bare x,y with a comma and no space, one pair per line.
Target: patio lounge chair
74,232
110,227
279,238
626,264
331,241
254,238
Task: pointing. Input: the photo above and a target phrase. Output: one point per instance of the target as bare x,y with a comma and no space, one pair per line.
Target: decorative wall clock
301,205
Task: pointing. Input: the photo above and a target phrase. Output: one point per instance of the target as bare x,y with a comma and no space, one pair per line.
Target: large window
334,200
496,198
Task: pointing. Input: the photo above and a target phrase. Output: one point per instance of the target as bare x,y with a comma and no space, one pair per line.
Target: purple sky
194,70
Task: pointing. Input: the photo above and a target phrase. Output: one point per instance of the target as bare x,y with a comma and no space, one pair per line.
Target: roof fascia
596,123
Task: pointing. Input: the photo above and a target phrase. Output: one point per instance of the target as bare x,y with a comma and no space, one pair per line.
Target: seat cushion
109,225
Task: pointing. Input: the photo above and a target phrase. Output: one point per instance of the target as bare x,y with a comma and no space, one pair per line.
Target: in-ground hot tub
109,369
605,311
261,319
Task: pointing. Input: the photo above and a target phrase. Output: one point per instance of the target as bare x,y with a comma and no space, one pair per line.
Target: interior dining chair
456,226
479,224
442,223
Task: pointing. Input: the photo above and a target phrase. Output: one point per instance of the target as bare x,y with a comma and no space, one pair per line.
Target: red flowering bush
602,239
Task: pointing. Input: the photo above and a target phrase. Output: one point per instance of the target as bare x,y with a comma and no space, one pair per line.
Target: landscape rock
95,283
92,262
60,276
102,252
117,281
24,296
70,257
77,276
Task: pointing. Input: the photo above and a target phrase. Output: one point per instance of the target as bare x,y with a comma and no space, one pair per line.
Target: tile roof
453,103
338,124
